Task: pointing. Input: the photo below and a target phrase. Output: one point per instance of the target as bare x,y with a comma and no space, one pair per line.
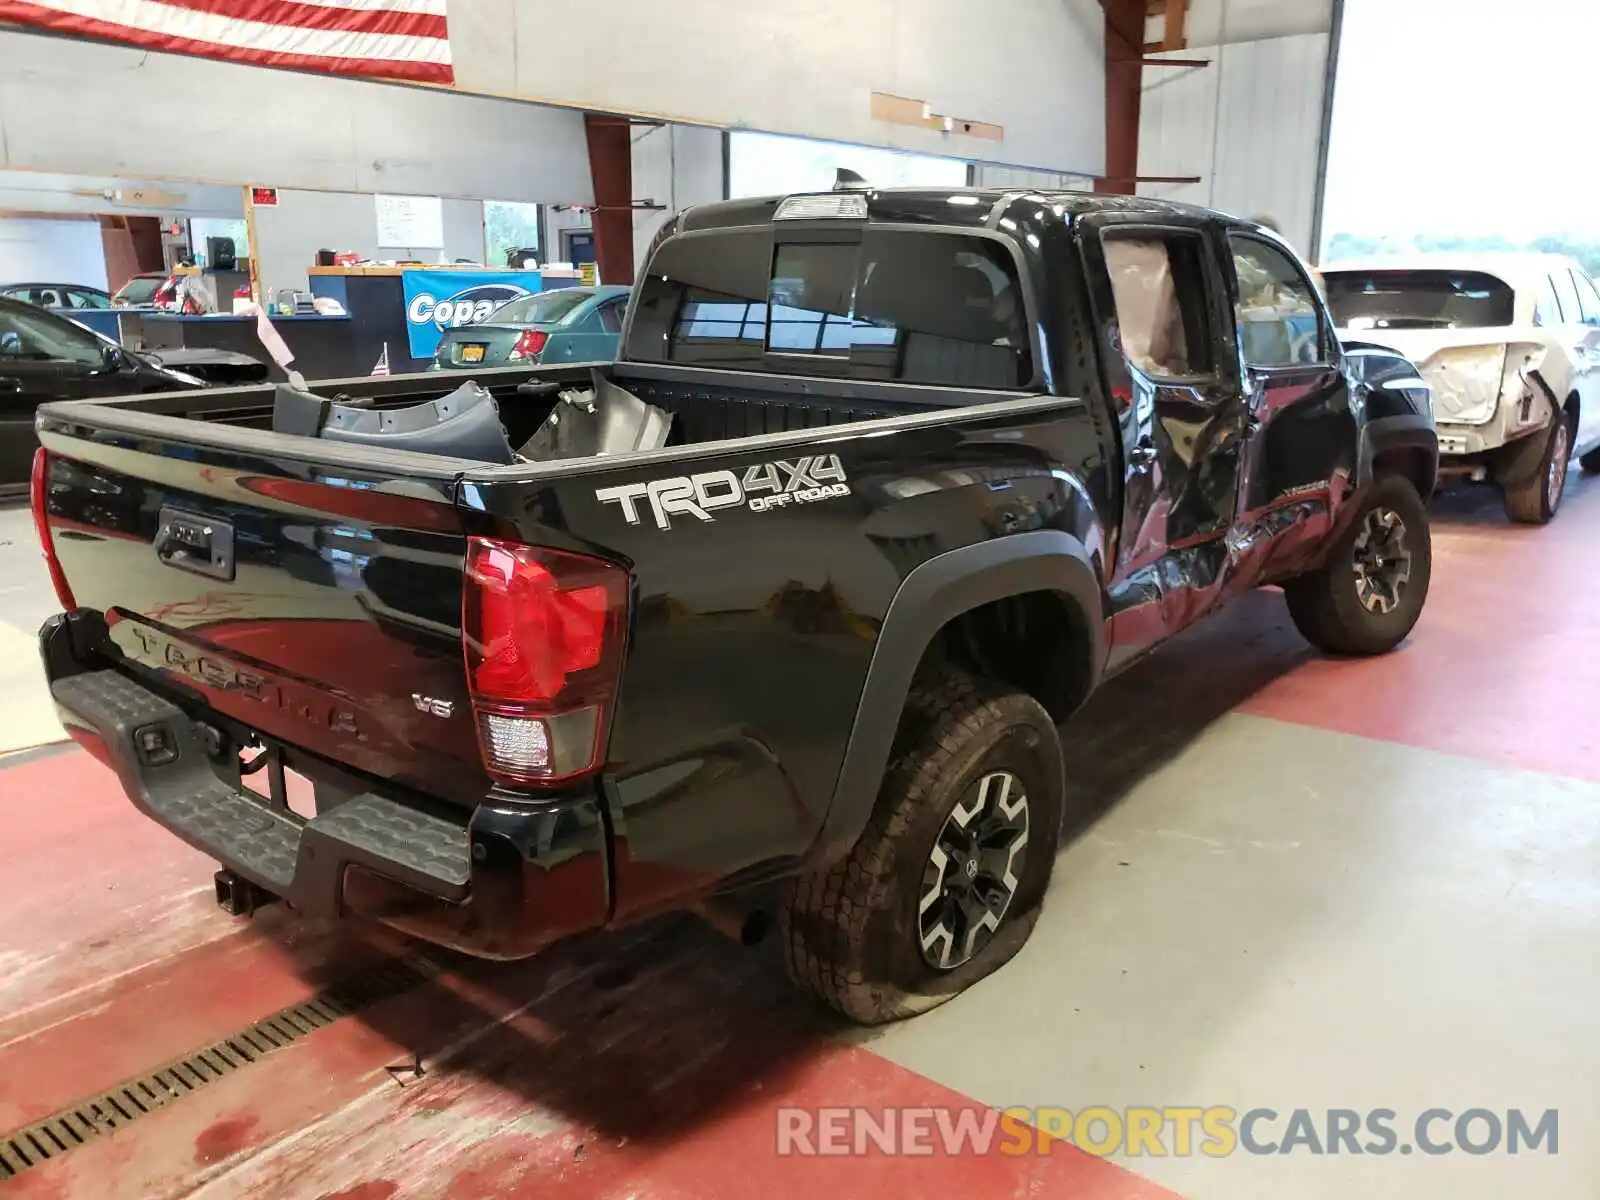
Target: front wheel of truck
945,883
1367,596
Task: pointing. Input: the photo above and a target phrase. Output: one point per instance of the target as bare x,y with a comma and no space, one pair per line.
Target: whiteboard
410,222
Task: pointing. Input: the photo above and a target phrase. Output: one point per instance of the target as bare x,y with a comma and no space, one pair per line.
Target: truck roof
945,206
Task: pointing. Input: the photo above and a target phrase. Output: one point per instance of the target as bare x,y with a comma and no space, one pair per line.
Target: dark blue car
565,325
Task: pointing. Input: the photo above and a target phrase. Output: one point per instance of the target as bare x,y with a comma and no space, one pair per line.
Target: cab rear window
1418,300
912,306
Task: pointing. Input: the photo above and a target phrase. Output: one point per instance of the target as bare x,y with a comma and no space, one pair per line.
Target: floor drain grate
134,1098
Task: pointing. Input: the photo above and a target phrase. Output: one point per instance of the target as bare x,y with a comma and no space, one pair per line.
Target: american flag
386,39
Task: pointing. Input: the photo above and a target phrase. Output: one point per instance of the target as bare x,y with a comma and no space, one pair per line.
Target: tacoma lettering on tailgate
168,654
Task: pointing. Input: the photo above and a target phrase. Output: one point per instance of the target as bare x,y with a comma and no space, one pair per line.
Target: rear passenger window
1571,311
1158,282
1588,298
912,306
1279,325
611,315
1548,311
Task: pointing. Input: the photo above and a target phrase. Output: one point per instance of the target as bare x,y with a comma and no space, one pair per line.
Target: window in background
766,164
509,226
1548,311
611,315
39,337
1588,299
201,229
542,308
1278,322
1540,53
1571,310
84,298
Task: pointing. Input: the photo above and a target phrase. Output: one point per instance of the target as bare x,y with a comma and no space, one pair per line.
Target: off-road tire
850,932
1530,502
1325,604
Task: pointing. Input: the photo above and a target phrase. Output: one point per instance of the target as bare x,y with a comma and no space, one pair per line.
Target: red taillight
39,496
543,631
530,344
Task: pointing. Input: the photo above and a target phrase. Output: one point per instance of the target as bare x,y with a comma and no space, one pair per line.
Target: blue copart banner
440,300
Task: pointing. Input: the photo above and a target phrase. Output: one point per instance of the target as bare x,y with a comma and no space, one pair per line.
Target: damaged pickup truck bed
938,462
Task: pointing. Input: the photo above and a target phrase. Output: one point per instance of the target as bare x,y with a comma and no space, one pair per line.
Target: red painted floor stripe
461,1137
1505,663
175,1149
92,889
56,1054
646,1064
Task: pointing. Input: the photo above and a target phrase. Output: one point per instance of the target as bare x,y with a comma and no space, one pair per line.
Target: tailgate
318,604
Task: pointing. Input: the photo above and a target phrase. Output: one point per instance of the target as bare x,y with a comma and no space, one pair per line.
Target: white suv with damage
1510,344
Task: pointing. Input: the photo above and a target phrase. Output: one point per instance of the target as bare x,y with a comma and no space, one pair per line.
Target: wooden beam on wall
1177,17
901,110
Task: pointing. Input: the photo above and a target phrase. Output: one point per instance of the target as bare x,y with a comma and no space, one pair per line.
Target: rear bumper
1512,420
1467,445
503,883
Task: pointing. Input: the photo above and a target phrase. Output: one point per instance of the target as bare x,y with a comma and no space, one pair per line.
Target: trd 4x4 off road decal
762,488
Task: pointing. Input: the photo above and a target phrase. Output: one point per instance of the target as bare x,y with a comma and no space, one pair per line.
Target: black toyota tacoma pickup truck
937,463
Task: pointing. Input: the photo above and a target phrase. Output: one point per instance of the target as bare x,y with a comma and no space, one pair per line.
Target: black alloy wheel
973,871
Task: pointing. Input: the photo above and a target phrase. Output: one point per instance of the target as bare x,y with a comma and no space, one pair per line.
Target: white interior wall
995,176
675,165
52,251
766,164
1249,124
289,234
1217,22
1035,67
70,106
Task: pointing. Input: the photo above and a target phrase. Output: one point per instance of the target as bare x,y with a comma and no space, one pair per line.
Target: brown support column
611,169
1124,81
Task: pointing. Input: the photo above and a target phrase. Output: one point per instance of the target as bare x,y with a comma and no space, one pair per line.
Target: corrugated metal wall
1249,124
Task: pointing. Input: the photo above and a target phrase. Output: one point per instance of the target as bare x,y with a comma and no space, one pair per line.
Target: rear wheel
1590,462
1536,499
945,883
1368,595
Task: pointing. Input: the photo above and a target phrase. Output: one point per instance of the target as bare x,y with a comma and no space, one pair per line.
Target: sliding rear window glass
931,308
1428,299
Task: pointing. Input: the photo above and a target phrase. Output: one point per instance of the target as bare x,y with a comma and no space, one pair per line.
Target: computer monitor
220,254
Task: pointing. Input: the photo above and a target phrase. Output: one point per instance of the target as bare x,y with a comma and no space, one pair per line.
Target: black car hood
187,358
218,367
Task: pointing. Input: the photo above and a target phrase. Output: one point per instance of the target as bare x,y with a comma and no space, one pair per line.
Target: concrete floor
1307,885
